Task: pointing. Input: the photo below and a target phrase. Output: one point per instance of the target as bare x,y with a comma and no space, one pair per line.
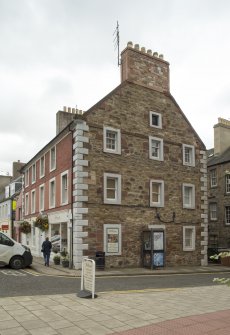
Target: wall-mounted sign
5,227
112,239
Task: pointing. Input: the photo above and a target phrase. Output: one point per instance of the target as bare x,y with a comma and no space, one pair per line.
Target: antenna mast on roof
116,42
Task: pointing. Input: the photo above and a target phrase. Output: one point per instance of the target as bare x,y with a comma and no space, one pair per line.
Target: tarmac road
30,282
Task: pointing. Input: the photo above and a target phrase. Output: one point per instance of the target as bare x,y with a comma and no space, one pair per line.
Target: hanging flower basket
25,227
42,222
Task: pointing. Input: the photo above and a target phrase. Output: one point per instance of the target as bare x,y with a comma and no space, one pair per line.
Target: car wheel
17,262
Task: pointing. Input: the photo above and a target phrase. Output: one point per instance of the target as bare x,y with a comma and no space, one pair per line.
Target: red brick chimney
144,68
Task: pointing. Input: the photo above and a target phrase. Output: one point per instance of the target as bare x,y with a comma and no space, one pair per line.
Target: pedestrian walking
46,249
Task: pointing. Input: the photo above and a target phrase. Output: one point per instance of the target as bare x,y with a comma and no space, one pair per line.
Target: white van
13,253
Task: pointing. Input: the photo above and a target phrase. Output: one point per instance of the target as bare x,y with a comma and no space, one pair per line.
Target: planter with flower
223,256
65,258
42,222
57,259
25,227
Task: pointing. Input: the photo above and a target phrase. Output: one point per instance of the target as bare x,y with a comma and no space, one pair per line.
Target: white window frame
227,215
26,203
117,199
192,150
227,183
213,211
159,120
192,204
33,173
41,201
160,156
213,178
33,202
160,202
52,182
65,201
193,238
27,178
117,149
52,164
112,249
42,171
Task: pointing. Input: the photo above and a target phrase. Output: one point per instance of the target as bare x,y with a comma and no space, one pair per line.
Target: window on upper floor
213,211
53,158
155,119
42,166
112,188
213,178
6,211
227,183
188,196
33,173
189,238
188,155
227,215
112,140
52,193
64,188
156,148
26,204
156,193
41,197
27,177
33,202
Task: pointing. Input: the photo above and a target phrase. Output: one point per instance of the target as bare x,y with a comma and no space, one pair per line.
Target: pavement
184,311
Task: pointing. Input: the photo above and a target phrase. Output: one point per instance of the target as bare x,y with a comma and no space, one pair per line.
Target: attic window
155,120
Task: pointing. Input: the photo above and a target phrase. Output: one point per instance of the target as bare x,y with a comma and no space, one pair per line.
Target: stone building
219,187
139,165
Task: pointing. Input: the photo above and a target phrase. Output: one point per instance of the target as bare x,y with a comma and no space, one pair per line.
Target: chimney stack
145,68
221,136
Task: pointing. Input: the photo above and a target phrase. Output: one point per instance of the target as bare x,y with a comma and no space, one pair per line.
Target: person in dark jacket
46,249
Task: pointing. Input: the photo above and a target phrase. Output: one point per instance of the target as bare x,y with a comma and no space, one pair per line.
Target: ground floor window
188,238
59,236
112,239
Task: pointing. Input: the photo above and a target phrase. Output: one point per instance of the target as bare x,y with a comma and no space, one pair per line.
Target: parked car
12,253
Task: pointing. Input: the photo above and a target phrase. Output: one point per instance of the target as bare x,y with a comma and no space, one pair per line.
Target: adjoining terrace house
219,188
9,195
132,163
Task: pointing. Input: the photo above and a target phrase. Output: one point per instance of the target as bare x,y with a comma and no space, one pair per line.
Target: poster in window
158,259
158,240
112,240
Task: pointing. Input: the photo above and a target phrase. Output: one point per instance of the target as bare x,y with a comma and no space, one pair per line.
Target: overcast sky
56,53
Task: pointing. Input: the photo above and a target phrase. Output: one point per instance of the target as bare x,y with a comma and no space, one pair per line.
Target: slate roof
218,159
